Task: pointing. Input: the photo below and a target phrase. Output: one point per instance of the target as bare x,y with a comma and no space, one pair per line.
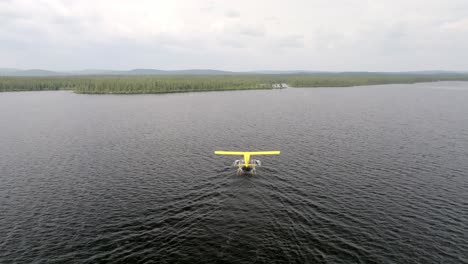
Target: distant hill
176,72
284,72
202,72
40,72
9,70
31,72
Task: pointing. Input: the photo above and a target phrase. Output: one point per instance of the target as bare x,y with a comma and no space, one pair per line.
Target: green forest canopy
193,83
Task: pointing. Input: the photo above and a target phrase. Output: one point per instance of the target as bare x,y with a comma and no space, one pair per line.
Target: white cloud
235,35
232,13
458,26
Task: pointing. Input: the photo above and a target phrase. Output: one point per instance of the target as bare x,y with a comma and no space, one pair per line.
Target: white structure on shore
279,85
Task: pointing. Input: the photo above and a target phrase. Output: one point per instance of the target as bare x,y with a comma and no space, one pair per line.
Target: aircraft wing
247,155
238,153
241,153
275,152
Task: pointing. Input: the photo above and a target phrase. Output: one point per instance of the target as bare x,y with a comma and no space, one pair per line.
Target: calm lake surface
375,174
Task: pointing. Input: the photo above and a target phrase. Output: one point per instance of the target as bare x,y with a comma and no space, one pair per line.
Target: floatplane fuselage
247,165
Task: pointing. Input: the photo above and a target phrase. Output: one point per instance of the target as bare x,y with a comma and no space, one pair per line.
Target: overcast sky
328,35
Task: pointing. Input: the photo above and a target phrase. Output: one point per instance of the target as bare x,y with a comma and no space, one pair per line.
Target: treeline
349,79
137,84
38,83
173,84
193,83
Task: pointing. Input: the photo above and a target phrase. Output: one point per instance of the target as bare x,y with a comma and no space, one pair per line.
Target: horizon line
232,71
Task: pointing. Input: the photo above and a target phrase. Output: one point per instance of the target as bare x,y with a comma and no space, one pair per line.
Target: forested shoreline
114,84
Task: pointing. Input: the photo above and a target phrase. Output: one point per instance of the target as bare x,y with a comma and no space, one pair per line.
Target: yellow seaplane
246,165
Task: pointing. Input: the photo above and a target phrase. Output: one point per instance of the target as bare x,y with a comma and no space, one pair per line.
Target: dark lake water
375,174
